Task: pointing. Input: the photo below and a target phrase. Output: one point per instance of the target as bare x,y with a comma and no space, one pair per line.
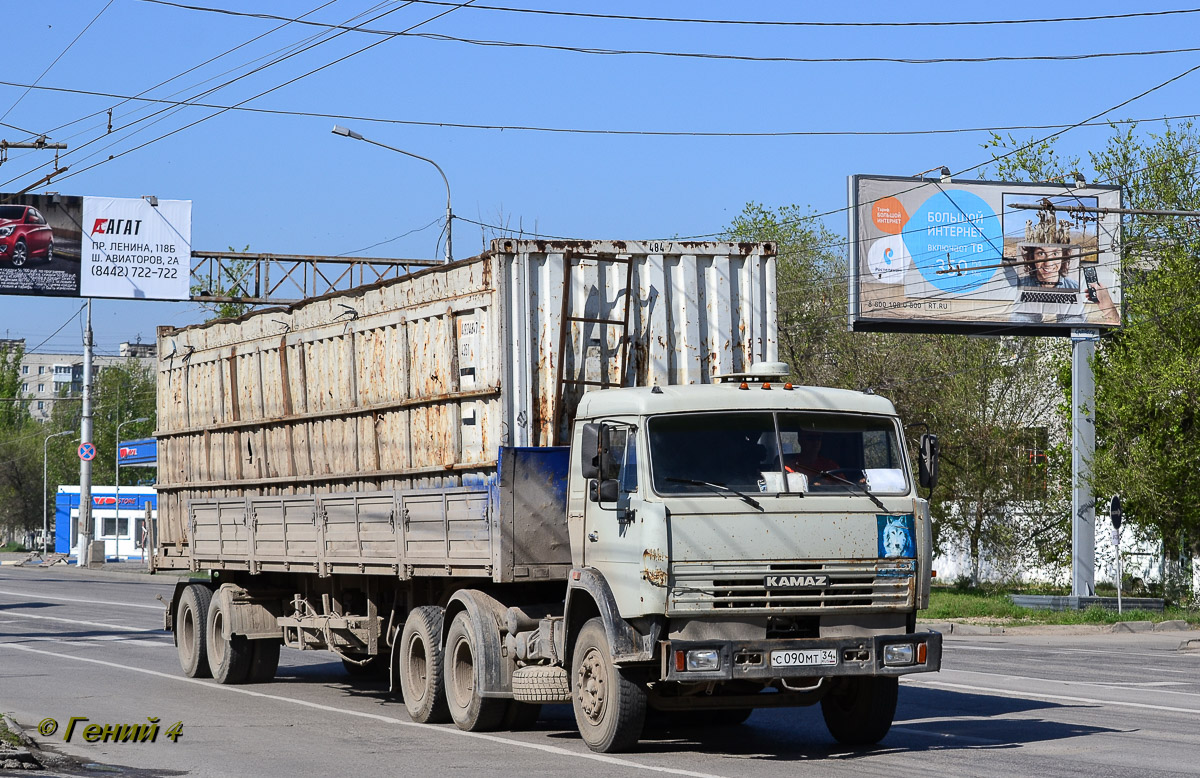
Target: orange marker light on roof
766,384
744,385
787,387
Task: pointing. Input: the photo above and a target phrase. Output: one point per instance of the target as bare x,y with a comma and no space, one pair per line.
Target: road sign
1115,513
87,452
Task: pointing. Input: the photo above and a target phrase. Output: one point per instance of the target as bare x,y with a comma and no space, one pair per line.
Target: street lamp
349,133
46,488
117,490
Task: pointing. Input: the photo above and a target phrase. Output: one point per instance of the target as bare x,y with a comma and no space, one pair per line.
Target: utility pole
85,438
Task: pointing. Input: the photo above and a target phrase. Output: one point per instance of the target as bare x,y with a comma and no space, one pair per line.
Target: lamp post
117,479
46,488
349,133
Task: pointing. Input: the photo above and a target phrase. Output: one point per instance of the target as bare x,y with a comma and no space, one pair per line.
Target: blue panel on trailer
546,464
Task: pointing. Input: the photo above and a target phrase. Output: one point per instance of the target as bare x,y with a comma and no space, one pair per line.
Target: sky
753,123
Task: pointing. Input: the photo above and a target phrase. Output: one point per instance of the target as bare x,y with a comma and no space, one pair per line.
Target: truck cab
764,541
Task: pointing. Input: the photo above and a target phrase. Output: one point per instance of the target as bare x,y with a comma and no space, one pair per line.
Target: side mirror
589,453
603,491
927,461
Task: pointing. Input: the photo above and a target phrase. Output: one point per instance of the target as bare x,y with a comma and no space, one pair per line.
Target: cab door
614,515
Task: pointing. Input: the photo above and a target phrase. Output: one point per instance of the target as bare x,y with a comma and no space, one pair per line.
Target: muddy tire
421,666
191,624
610,708
264,661
228,657
465,664
859,711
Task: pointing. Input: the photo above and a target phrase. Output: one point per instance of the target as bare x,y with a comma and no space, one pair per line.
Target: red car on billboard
24,234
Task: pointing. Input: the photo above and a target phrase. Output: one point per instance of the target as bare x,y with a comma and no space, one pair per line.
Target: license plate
820,656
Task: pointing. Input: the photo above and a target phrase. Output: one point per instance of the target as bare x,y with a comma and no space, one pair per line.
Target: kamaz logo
796,581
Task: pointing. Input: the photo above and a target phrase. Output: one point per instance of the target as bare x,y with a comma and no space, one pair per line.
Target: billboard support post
1083,445
85,437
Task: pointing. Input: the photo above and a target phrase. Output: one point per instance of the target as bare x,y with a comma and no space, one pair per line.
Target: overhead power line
783,23
596,130
693,54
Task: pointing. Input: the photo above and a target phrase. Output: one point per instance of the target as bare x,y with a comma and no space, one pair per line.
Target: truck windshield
776,452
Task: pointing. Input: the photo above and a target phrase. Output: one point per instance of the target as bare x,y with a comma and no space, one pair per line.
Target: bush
13,547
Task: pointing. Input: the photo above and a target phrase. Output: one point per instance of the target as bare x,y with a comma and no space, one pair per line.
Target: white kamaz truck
555,472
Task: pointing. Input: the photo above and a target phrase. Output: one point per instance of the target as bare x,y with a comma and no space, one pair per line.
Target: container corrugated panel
415,382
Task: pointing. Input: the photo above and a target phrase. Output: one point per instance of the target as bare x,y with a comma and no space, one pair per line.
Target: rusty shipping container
415,383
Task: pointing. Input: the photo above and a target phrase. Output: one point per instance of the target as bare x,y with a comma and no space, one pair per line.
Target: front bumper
751,659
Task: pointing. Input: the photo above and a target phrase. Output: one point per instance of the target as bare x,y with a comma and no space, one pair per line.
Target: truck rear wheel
464,662
421,666
610,708
190,631
230,657
859,711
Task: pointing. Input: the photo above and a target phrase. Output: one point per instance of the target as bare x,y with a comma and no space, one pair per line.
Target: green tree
1148,373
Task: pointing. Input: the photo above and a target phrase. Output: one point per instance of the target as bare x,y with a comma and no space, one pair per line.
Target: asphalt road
78,643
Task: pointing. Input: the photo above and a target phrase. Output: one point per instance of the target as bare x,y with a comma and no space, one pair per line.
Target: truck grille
741,588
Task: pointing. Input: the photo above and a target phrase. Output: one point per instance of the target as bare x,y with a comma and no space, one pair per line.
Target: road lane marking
373,716
37,597
1036,679
1054,697
9,612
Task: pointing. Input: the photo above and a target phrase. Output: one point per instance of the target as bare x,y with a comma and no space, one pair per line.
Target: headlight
703,659
6,231
898,654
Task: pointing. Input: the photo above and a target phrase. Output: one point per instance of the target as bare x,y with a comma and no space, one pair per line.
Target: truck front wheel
610,708
421,665
859,711
464,660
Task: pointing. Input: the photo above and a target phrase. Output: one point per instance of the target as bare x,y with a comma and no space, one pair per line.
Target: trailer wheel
859,711
264,661
610,708
421,666
464,663
190,631
228,657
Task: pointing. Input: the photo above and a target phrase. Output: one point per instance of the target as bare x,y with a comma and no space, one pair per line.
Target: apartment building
46,378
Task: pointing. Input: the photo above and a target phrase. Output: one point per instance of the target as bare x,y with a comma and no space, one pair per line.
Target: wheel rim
463,673
18,256
592,686
188,630
217,649
417,669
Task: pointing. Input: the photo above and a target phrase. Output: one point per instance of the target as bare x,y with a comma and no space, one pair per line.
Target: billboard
982,256
64,246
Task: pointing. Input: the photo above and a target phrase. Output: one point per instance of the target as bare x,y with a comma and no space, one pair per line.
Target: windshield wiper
856,485
720,489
